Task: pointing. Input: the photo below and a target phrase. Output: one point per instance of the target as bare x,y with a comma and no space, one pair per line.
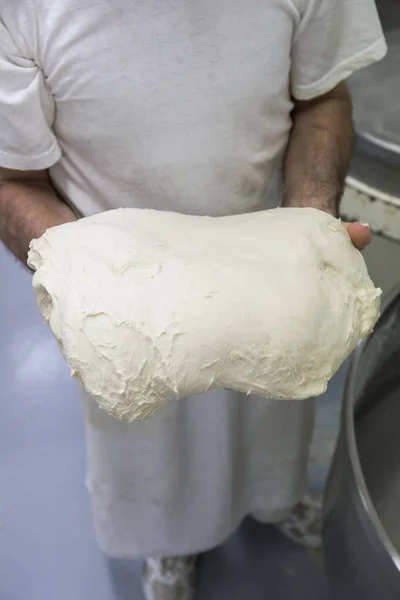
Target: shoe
304,523
172,578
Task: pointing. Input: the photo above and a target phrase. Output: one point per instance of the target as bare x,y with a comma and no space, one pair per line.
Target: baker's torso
168,104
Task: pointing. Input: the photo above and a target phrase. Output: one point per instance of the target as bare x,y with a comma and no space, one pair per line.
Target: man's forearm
26,211
319,152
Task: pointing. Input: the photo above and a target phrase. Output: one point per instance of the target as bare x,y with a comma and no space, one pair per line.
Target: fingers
359,234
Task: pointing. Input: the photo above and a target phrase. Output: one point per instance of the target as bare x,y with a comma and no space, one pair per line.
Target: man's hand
318,157
28,206
359,234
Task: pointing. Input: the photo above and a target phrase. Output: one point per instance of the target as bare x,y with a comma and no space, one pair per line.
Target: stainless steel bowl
362,499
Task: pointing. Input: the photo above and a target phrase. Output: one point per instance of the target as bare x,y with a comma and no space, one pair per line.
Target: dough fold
150,305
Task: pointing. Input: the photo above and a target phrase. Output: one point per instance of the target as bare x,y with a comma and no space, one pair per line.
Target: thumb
360,234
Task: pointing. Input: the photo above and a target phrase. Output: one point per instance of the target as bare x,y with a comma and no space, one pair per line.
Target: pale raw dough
150,305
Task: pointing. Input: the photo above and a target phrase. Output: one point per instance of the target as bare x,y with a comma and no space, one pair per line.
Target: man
197,106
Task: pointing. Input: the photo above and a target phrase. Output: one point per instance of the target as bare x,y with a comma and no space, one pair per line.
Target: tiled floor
47,547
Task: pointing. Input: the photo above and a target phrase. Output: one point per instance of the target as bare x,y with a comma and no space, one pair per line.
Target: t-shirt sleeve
333,39
27,141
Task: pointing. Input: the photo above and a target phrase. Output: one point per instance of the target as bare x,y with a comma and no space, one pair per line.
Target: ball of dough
150,305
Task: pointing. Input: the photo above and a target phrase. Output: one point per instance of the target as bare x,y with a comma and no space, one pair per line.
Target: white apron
181,481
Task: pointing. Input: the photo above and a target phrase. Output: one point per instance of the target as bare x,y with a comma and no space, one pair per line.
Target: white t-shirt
169,104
